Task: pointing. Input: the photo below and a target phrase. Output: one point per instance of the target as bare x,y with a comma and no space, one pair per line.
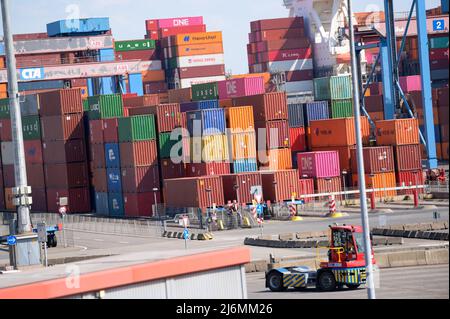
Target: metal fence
436,187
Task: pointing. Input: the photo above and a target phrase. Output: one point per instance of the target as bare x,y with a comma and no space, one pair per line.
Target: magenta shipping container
410,83
241,87
318,164
173,22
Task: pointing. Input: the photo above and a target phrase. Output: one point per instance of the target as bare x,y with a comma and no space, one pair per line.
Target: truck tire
353,286
55,241
326,281
275,281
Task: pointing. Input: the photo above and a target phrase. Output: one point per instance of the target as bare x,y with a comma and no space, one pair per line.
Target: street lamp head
344,172
155,189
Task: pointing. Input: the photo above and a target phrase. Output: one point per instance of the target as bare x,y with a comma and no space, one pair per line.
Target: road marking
82,247
96,239
123,242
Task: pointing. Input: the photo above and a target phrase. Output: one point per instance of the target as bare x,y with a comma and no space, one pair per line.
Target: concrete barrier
288,236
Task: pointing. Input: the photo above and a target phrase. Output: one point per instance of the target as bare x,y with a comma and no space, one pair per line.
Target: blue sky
128,17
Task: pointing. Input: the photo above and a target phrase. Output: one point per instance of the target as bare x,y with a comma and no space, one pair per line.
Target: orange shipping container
153,76
180,95
397,132
379,181
226,103
240,119
279,159
243,145
163,98
338,132
376,116
198,49
197,38
2,62
265,76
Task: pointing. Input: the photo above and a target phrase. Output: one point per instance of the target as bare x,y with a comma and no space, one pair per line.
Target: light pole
209,221
384,170
344,177
155,202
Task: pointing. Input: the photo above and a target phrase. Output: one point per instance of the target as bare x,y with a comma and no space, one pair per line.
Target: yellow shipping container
211,148
197,38
243,145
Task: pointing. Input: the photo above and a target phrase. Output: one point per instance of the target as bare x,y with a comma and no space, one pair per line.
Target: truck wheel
55,242
326,281
352,287
275,281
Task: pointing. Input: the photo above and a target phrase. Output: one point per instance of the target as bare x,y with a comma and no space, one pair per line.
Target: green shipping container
322,89
86,105
439,43
341,87
105,106
137,128
165,145
135,45
4,109
31,128
341,108
205,92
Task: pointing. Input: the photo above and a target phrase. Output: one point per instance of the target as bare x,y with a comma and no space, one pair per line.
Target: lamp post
155,202
209,190
344,176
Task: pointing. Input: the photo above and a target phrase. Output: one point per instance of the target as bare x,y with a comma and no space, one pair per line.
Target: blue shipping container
209,122
114,180
41,85
107,55
245,165
112,155
115,203
314,111
101,204
295,115
444,4
201,105
136,85
89,26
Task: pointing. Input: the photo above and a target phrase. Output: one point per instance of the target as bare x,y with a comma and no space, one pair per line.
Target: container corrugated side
140,153
238,187
338,132
79,199
322,89
408,179
318,164
280,185
67,101
408,157
243,145
112,155
66,175
115,203
379,181
137,128
245,165
295,115
206,91
397,132
341,87
240,119
341,108
314,111
279,159
207,169
106,106
326,186
266,107
376,160
62,127
70,151
140,179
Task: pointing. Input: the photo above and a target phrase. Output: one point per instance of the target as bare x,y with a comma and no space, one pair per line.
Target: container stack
157,29
193,58
64,150
443,113
297,130
270,113
153,81
338,91
280,46
439,57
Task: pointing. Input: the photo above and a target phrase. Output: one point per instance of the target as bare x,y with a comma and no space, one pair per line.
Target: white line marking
82,247
98,239
123,242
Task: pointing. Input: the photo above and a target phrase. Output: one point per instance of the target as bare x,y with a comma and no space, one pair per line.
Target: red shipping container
78,83
200,71
39,196
59,152
168,116
100,180
439,54
345,155
280,185
374,103
297,137
338,132
5,130
376,88
376,160
37,60
155,88
410,178
167,32
140,205
35,175
299,75
329,185
318,164
170,170
140,153
277,34
30,36
60,102
439,64
66,175
111,130
397,132
140,179
207,169
97,155
79,199
145,100
180,95
96,131
194,192
266,107
277,45
273,24
33,152
408,157
443,97
56,128
306,187
277,133
239,186
285,55
144,55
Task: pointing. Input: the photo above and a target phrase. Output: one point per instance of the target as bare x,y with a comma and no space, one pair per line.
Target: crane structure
325,25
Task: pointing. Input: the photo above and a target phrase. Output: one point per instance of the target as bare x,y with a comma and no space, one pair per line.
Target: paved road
430,282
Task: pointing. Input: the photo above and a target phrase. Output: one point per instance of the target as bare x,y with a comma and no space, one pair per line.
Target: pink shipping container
410,83
241,87
67,101
207,169
100,180
66,175
140,205
111,130
33,152
54,128
39,196
194,192
140,179
167,32
97,155
376,160
280,185
79,199
318,164
96,131
170,170
239,186
266,107
59,152
140,153
173,22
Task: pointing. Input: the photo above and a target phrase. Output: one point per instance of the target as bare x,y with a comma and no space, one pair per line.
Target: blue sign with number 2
438,25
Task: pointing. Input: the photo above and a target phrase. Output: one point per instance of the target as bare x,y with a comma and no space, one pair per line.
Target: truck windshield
359,239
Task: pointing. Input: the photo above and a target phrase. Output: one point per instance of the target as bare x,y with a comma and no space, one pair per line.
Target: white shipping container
187,83
200,60
299,86
7,153
285,66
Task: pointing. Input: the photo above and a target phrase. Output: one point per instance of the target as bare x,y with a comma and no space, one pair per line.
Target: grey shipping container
29,104
41,85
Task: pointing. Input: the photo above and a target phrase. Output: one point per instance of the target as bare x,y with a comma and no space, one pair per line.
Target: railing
437,187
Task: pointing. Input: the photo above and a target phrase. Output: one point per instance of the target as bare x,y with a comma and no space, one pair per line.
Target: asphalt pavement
427,282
